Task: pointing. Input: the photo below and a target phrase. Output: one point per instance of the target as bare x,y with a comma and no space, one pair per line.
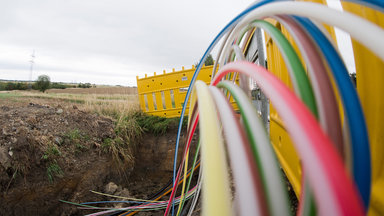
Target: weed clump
50,155
53,170
51,152
77,138
155,124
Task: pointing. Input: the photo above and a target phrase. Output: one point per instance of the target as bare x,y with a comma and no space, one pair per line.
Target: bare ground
52,151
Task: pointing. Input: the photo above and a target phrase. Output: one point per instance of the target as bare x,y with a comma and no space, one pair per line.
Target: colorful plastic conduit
319,108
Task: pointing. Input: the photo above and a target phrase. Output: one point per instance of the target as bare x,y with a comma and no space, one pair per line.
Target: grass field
99,90
102,103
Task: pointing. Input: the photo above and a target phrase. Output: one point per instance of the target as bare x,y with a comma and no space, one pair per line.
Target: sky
107,41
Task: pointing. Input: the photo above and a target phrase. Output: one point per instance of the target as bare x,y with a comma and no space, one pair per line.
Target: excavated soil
52,151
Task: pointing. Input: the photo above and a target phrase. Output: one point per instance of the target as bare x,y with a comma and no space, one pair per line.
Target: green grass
7,95
72,135
127,134
53,170
50,155
51,152
77,138
155,124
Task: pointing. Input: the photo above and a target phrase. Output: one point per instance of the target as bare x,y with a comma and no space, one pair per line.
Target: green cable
262,151
302,85
190,176
304,88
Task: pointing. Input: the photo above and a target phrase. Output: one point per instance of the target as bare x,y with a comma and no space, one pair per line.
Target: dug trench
50,154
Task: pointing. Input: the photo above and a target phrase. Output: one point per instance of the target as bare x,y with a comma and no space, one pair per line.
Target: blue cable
209,49
374,4
352,107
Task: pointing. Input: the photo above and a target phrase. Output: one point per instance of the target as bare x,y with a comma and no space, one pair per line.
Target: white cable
196,195
367,33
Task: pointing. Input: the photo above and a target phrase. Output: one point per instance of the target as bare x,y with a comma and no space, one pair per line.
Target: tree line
42,83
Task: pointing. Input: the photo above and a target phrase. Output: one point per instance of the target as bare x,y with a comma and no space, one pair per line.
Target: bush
10,86
84,85
58,86
21,86
2,86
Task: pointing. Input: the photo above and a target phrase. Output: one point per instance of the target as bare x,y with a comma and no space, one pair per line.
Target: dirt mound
51,153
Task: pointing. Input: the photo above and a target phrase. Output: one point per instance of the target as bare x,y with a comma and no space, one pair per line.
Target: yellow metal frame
370,87
164,94
280,139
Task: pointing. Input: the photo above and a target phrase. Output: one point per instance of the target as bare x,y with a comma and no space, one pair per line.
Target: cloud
116,38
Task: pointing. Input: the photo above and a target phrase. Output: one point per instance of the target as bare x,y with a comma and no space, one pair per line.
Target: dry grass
100,90
106,104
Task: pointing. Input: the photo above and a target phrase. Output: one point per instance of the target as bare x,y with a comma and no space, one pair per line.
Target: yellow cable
216,199
191,107
185,177
192,102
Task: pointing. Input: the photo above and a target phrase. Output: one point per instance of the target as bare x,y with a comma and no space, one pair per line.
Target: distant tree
43,82
209,60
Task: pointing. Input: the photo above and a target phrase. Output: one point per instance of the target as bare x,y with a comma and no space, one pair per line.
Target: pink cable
190,135
322,86
333,189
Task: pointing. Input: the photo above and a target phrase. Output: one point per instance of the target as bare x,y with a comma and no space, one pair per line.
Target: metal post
261,61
